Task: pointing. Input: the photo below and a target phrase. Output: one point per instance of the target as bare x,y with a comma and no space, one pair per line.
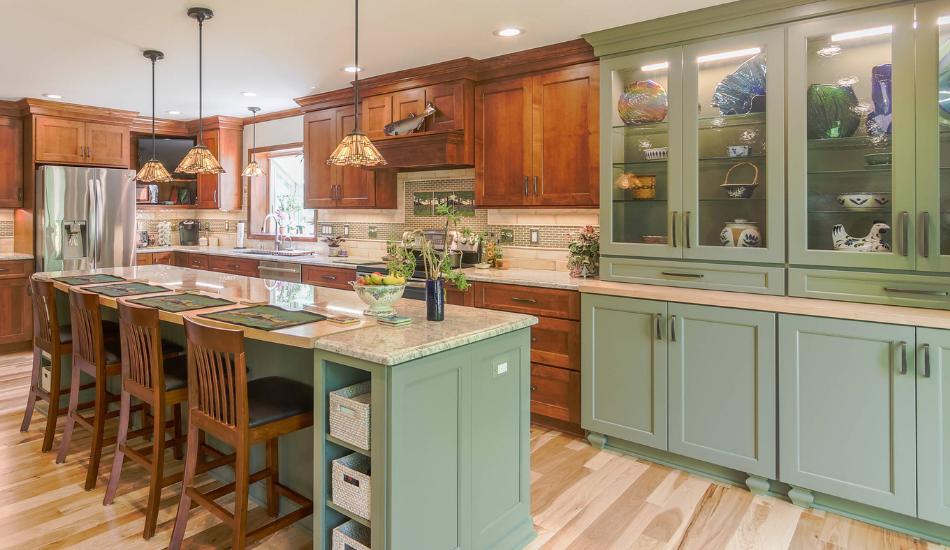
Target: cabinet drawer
736,278
181,259
143,259
236,266
457,297
16,268
556,342
163,258
874,288
563,304
198,261
332,277
556,393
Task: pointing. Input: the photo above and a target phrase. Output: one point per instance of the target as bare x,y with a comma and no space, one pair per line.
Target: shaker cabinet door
107,144
623,369
207,194
722,386
319,141
503,143
847,410
356,187
60,141
933,429
11,162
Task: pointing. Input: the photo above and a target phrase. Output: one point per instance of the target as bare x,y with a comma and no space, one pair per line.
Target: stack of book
393,321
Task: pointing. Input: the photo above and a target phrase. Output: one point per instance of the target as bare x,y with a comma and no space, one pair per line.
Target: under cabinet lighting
728,55
209,285
863,33
655,67
943,20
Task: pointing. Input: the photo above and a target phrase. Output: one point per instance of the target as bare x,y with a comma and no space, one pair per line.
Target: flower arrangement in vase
334,244
583,258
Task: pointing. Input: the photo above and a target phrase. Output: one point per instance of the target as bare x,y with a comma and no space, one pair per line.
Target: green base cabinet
623,368
722,387
933,425
847,410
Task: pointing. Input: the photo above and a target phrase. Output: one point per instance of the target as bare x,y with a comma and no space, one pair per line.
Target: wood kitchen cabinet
234,266
458,297
332,277
11,162
16,326
537,140
222,191
847,410
163,258
447,98
340,187
143,258
66,141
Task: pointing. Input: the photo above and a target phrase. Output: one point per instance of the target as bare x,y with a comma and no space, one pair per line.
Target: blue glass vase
435,300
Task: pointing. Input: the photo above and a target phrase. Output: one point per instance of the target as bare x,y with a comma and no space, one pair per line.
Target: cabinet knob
534,388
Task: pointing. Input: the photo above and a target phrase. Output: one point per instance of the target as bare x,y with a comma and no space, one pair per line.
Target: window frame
260,185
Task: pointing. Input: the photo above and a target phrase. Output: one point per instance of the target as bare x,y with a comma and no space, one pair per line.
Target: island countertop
367,340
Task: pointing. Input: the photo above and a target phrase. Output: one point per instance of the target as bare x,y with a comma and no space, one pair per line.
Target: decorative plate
735,93
643,102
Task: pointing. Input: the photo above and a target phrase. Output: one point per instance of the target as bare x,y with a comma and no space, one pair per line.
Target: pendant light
153,171
200,160
356,149
253,169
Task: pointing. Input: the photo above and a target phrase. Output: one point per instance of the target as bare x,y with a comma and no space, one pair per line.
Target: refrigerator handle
98,222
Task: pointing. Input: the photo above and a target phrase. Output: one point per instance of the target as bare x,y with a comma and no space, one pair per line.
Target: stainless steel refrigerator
85,218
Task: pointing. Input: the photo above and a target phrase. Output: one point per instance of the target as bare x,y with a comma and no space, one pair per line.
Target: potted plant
437,267
452,216
334,244
583,258
500,261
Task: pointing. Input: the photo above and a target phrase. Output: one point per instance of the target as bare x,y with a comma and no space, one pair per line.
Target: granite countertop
367,340
11,256
525,277
230,252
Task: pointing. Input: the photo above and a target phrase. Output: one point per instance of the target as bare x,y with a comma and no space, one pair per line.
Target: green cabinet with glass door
694,380
682,155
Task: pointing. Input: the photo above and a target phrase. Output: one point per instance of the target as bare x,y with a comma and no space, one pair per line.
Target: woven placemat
181,302
88,279
126,289
264,317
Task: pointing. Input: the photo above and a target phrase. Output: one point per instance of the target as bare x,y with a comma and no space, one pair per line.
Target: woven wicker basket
349,414
351,484
351,536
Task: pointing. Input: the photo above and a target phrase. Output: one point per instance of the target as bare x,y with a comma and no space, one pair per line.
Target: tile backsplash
6,229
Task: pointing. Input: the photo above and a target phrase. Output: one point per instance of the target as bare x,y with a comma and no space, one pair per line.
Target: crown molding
277,115
9,108
31,106
163,127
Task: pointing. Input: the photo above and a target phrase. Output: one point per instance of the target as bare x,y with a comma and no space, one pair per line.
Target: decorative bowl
738,150
379,298
739,190
656,153
654,239
482,266
832,111
878,159
643,102
736,94
864,200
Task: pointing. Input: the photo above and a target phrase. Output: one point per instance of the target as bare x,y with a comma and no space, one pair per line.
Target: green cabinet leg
758,485
597,440
801,497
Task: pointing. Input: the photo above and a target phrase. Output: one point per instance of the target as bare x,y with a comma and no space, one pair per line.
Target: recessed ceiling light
249,94
352,69
510,31
173,112
53,96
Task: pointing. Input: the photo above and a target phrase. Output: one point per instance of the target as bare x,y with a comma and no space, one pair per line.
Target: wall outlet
534,236
372,232
346,230
502,368
507,235
326,229
227,226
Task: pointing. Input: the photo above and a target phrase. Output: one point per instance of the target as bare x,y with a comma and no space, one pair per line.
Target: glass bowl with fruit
379,292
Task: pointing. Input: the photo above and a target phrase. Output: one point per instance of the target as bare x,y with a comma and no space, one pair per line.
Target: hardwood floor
582,499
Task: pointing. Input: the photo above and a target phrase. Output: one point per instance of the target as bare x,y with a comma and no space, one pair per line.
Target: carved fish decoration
409,124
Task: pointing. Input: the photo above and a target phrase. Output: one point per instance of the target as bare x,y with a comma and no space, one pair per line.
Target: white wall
273,132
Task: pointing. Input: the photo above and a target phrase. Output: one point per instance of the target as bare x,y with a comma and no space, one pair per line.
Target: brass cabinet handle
915,291
926,360
672,328
328,277
687,275
903,358
659,327
536,186
526,186
674,229
903,233
686,237
925,223
528,300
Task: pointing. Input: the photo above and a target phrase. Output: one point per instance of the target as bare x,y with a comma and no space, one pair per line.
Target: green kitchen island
450,409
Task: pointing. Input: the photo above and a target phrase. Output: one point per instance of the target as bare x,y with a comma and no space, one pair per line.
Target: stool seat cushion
176,373
109,328
114,350
274,398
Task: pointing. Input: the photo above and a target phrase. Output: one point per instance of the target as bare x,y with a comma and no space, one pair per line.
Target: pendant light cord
153,108
254,152
201,21
356,60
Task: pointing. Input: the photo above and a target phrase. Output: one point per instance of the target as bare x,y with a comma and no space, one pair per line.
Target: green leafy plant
583,259
334,241
438,265
402,261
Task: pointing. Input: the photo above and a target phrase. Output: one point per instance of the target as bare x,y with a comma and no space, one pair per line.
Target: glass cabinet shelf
867,171
705,123
854,142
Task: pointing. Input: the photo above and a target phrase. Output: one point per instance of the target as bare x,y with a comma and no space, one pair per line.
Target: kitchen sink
260,252
252,251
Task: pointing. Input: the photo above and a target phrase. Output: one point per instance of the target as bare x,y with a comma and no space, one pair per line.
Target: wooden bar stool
56,341
159,383
241,414
95,356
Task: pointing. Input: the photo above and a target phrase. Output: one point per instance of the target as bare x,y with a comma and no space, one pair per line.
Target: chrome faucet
276,229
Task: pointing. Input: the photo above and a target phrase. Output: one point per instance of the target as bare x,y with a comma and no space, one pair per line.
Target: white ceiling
89,51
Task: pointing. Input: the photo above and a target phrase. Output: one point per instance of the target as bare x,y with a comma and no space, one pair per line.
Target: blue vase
880,120
435,300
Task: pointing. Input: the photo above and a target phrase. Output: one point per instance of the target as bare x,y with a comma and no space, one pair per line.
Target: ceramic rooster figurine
874,242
